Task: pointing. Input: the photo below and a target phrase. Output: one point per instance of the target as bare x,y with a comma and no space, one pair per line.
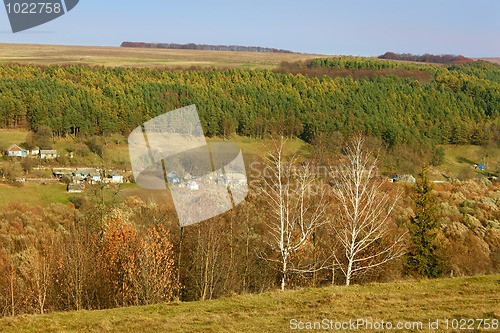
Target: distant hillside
428,58
204,47
492,60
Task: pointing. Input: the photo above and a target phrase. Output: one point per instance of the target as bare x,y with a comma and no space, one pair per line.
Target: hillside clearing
33,194
460,159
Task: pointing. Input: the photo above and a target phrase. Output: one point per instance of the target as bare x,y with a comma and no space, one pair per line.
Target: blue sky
352,27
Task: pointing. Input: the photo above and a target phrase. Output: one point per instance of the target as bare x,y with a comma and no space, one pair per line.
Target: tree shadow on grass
465,160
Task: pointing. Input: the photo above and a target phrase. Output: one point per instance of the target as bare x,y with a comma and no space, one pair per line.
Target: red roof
14,148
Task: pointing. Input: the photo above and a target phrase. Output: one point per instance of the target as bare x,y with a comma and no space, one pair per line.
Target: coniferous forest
396,102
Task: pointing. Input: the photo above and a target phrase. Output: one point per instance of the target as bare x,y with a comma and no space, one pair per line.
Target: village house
34,151
16,151
90,175
83,172
115,178
60,173
48,154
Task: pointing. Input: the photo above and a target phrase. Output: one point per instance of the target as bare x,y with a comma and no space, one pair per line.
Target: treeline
430,58
355,63
204,47
458,105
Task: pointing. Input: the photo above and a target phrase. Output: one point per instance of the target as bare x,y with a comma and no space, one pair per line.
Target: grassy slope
8,137
34,194
117,149
477,297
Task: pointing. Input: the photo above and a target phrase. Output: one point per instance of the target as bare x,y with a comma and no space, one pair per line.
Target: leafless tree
77,255
297,203
209,259
362,224
36,269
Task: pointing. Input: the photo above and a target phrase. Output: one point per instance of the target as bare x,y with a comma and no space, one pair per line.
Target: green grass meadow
34,194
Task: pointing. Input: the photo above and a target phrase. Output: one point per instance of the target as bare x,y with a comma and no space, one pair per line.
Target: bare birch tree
297,202
362,225
36,271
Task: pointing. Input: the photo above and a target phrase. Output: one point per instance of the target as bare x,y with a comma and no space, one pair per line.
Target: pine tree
422,258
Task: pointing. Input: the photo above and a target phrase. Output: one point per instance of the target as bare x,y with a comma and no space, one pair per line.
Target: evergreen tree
422,258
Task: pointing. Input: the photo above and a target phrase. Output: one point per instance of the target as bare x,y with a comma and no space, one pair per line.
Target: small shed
95,177
404,179
75,188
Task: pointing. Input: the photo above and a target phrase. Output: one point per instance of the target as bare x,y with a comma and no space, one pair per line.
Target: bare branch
297,214
364,212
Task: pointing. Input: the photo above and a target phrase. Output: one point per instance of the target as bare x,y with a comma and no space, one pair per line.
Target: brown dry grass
405,302
493,60
138,57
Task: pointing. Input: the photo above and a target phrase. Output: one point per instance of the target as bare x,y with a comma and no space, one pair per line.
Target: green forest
397,102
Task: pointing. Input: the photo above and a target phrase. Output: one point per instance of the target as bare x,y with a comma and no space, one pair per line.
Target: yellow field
139,57
493,60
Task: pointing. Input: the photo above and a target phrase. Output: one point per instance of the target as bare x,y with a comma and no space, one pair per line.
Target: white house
49,154
16,151
115,178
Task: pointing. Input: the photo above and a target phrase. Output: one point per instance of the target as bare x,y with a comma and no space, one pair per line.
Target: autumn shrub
467,254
